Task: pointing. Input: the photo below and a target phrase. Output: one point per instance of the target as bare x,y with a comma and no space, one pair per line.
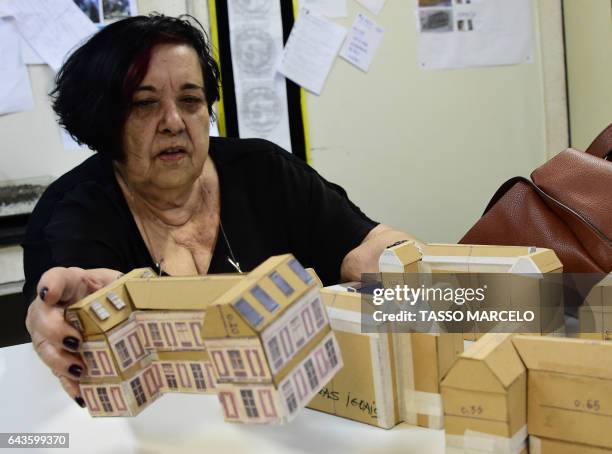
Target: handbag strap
602,145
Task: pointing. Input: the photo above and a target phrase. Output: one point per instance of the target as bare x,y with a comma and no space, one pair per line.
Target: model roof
251,305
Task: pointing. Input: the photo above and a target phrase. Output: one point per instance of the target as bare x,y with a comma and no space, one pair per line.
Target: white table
31,400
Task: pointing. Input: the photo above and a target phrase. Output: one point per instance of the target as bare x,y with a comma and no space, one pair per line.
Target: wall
588,37
425,150
420,150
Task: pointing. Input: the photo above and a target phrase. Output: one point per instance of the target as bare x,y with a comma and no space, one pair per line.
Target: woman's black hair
95,85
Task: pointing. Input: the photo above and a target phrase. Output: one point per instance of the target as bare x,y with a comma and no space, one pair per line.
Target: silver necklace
231,258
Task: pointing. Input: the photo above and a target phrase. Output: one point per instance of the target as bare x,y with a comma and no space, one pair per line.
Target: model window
281,283
124,355
92,364
103,395
170,377
107,368
138,392
264,299
169,333
331,352
249,403
289,397
318,312
249,312
115,300
136,345
237,363
297,331
229,407
275,353
155,334
99,310
286,341
300,271
307,319
196,369
73,319
196,330
183,334
312,376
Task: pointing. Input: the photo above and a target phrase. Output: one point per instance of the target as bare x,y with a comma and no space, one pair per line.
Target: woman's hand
55,340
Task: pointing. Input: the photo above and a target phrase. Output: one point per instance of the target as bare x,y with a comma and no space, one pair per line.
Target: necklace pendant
236,265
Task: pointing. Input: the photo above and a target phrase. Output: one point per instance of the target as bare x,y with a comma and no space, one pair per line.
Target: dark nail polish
43,293
75,370
71,342
79,400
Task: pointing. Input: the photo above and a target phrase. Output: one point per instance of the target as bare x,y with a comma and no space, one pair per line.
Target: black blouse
271,203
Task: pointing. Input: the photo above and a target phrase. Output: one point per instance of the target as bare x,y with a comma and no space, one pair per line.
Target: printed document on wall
52,29
464,33
362,42
311,49
15,89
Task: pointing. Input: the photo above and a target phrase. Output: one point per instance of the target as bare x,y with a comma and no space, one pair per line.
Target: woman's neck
173,207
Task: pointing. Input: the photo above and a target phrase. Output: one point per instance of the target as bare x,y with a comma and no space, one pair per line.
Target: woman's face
165,136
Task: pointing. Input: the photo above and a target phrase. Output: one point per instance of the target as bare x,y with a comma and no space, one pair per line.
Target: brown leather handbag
566,206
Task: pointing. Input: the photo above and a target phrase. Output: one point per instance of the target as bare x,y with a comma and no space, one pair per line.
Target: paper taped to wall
464,33
15,90
362,42
52,29
311,49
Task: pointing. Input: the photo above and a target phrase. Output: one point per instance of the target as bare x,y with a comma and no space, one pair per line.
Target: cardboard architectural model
595,314
369,396
538,445
141,338
485,398
262,341
527,265
400,372
399,375
569,390
271,343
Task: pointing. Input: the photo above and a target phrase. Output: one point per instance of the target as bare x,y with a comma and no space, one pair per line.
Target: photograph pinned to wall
103,12
91,8
114,10
468,33
436,20
362,42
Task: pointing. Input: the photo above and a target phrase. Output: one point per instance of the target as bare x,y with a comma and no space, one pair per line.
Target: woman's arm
364,258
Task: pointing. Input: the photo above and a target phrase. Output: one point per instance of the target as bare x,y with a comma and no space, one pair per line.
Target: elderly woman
159,192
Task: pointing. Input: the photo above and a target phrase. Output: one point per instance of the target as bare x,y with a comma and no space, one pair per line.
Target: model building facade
270,342
261,341
142,338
